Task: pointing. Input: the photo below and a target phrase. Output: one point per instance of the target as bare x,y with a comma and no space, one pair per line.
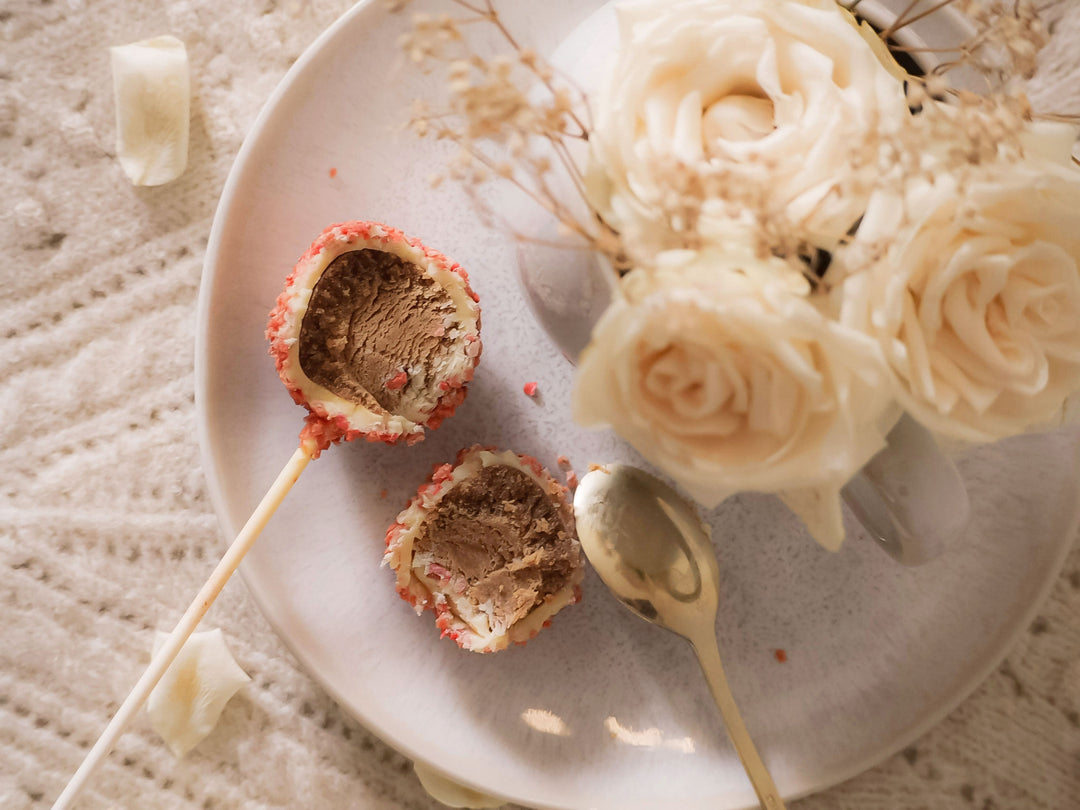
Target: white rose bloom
777,93
723,373
976,303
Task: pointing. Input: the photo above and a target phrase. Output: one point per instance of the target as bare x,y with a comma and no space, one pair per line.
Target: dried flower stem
902,20
492,107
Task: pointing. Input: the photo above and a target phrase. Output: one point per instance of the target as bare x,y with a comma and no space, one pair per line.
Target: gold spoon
650,548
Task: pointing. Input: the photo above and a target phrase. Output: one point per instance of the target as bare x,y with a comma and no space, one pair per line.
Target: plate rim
208,454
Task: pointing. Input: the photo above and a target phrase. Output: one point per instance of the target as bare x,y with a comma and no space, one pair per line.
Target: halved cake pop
375,334
489,545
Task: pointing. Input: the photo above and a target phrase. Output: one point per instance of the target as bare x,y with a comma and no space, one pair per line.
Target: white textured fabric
105,526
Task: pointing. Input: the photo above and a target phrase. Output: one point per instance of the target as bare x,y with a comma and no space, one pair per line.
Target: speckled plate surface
601,710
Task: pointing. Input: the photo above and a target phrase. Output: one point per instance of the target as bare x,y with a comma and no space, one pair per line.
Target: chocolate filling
505,535
372,316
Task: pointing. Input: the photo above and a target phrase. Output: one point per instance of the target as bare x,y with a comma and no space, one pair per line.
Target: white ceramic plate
601,710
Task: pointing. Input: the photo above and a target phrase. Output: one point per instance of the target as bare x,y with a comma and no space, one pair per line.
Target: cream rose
976,302
723,373
776,95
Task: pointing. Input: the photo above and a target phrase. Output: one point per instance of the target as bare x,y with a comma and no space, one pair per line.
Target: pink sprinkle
397,381
428,490
436,570
530,389
333,173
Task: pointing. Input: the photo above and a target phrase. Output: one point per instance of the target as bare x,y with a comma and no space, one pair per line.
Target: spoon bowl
649,547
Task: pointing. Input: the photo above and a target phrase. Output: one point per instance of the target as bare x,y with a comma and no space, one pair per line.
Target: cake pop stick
377,336
187,624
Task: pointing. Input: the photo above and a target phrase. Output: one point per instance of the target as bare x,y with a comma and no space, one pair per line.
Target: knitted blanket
105,525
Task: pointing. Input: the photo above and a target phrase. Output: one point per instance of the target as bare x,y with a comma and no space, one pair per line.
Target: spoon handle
708,653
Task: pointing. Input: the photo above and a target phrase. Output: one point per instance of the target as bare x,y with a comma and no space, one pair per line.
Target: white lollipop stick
190,620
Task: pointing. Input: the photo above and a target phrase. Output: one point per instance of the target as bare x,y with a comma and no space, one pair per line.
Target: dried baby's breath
958,132
510,114
513,119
